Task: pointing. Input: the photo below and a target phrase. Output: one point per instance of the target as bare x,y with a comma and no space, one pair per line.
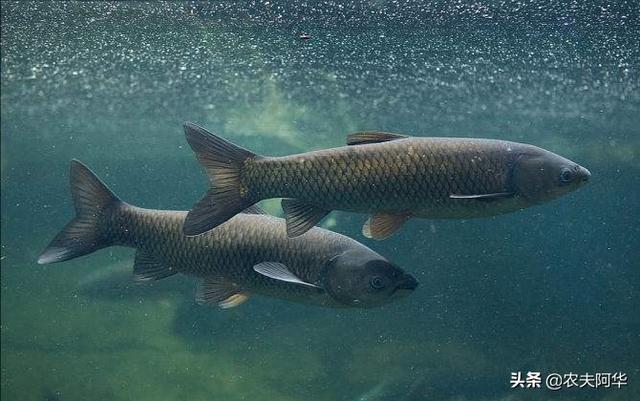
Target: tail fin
84,234
223,162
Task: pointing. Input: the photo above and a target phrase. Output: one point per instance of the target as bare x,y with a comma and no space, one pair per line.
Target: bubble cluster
435,67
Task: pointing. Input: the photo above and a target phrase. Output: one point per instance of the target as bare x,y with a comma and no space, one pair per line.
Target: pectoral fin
301,216
382,225
147,267
278,271
359,138
220,291
496,195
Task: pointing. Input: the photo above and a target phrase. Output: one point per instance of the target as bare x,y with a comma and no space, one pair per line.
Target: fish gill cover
553,288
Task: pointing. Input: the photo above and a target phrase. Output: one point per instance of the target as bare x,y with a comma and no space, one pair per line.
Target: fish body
250,254
416,175
390,176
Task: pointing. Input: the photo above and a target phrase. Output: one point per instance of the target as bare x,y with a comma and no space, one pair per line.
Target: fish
391,177
250,254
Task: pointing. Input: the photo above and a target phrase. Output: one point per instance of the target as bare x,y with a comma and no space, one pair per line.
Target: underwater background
553,288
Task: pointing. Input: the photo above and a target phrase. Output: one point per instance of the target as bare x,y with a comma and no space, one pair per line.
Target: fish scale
230,251
390,176
250,253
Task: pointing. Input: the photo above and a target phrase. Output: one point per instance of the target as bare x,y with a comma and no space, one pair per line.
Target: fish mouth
585,174
407,283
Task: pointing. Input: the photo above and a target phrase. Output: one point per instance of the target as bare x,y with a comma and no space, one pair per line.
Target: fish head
363,279
539,175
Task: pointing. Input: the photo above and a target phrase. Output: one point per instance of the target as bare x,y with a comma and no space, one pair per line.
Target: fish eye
377,283
566,175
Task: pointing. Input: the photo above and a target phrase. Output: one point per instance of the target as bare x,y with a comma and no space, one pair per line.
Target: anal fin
147,267
223,292
382,225
301,216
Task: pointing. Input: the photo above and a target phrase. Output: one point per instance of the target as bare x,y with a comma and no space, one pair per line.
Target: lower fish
250,254
392,177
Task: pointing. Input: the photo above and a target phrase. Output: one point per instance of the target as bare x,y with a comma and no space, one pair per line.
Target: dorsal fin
359,138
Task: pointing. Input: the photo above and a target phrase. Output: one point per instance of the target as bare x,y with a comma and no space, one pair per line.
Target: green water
554,288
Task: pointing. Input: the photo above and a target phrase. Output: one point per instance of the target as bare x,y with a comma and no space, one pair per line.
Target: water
553,288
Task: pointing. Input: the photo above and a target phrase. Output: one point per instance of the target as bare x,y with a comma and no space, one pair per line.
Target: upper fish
392,177
251,254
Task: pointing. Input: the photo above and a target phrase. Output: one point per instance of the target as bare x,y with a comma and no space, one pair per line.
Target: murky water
553,288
